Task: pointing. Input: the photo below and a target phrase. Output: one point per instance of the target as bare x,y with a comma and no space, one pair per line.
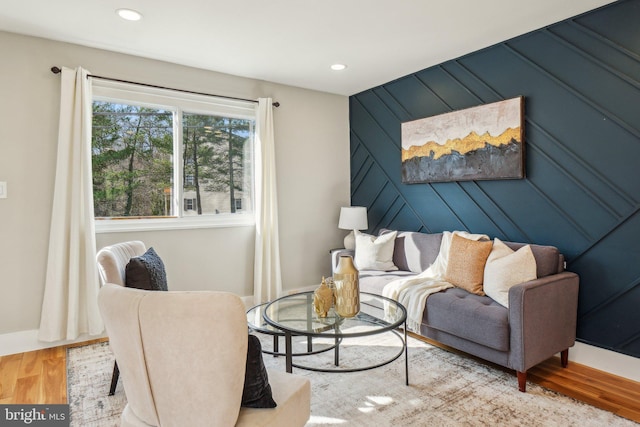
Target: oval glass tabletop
295,314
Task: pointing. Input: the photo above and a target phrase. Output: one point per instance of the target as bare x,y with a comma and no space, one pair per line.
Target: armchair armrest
336,254
542,317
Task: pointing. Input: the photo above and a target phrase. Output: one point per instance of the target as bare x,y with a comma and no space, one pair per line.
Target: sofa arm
336,254
542,318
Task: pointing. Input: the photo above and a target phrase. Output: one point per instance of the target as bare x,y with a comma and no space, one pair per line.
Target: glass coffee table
293,315
256,322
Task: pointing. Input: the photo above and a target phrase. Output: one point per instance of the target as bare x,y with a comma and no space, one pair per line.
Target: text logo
34,415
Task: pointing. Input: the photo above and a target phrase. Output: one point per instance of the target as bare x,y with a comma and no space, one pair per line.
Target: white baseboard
588,355
23,341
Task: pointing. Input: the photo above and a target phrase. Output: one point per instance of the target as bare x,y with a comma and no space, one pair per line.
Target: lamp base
350,241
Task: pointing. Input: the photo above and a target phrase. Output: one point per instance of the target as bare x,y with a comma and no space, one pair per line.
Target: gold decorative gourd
347,289
322,299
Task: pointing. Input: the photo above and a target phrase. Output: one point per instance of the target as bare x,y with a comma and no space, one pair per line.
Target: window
164,159
189,204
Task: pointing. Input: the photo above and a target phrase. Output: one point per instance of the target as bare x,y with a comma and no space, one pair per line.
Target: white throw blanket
412,292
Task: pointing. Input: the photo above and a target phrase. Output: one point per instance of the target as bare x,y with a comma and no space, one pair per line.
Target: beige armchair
182,356
113,259
112,262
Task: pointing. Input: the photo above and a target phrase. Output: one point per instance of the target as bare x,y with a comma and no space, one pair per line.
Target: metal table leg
288,352
337,349
309,321
406,355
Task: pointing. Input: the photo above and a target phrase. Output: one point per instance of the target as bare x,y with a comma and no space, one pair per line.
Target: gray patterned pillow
146,272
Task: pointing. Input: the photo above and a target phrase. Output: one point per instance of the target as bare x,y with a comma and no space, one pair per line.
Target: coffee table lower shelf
290,365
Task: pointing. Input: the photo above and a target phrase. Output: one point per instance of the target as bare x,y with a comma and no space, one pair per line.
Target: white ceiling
292,42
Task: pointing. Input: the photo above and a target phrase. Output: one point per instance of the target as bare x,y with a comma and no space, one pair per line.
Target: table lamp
352,218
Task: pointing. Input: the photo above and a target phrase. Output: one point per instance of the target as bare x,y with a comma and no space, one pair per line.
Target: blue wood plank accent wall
581,83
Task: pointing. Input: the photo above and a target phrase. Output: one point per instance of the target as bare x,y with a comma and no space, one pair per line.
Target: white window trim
156,224
105,90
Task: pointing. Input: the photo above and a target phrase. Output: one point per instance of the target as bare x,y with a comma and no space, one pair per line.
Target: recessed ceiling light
129,14
338,67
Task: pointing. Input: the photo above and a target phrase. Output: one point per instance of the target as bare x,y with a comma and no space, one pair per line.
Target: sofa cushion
375,253
414,251
467,259
506,268
374,281
473,317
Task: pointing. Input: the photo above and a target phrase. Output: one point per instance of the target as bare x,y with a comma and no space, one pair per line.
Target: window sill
160,224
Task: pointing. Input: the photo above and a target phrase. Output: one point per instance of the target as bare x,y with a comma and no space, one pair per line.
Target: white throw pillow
506,268
375,253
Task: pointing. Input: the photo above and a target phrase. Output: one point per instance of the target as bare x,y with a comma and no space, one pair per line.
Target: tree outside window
132,150
214,154
134,162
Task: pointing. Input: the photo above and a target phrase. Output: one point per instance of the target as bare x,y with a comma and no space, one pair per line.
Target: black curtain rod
57,70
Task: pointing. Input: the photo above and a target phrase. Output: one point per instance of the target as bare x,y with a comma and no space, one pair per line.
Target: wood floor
36,377
39,377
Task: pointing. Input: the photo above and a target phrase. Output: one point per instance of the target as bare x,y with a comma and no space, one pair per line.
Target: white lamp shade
353,218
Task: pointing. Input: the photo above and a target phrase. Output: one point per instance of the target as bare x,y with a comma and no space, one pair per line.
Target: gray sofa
539,322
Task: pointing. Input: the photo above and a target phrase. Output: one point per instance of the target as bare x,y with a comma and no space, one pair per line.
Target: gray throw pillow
146,272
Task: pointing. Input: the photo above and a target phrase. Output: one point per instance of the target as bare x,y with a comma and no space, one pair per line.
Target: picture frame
478,143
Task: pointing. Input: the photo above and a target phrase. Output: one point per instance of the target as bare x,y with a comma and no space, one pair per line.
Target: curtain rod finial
56,70
276,104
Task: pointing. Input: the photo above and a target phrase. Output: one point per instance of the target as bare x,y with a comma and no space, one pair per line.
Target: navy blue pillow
257,390
146,272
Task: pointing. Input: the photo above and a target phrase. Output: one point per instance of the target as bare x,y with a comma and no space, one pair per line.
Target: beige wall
312,157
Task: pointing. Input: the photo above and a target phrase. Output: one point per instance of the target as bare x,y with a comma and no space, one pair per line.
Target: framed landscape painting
478,143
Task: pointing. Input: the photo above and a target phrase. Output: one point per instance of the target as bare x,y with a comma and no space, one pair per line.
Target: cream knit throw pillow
506,268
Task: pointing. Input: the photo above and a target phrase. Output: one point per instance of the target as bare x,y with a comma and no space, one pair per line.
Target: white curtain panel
70,307
267,281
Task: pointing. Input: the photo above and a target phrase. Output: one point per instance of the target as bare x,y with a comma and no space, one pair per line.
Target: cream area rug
445,389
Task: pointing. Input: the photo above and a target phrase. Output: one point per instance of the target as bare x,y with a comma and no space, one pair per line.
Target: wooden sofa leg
522,381
564,358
